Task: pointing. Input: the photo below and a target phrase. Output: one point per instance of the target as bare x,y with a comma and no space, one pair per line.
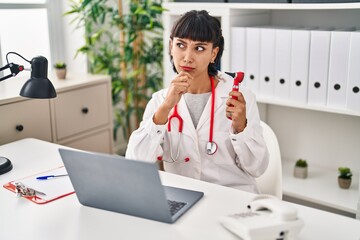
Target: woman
210,147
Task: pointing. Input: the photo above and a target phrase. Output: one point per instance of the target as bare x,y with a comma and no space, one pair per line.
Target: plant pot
60,73
344,182
300,172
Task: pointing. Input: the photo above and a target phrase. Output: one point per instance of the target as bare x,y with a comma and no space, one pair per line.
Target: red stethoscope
211,147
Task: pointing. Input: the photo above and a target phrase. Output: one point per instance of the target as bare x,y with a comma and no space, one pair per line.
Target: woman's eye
180,45
200,49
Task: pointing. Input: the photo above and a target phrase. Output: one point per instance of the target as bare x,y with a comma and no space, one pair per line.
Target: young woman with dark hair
187,125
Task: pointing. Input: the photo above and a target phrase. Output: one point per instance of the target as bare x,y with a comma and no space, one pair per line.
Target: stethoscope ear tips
159,158
187,159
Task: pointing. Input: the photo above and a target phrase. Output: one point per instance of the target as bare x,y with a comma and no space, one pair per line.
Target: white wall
324,139
73,39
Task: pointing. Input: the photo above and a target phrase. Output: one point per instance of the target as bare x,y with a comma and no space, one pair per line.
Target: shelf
321,187
286,103
267,6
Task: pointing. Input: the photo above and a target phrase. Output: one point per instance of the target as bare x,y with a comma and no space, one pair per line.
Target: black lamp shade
38,86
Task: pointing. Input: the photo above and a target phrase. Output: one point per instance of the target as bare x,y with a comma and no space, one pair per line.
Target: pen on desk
51,176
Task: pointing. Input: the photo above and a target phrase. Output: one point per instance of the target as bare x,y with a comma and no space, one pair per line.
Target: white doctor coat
238,159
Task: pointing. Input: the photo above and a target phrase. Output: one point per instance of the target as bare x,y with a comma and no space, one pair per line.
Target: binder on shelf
267,56
252,59
353,86
299,70
318,67
282,63
238,43
338,68
45,191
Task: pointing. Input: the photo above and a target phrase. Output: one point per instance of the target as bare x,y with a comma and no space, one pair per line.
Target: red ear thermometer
238,78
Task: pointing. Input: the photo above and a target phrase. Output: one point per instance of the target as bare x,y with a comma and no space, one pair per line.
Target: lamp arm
14,68
4,67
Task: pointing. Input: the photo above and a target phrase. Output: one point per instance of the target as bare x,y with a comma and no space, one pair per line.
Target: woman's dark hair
200,26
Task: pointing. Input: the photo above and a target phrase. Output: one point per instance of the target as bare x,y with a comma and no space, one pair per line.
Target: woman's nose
188,57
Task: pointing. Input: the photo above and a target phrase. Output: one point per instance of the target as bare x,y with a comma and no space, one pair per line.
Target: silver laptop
132,187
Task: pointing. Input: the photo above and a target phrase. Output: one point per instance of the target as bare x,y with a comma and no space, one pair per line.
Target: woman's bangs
195,30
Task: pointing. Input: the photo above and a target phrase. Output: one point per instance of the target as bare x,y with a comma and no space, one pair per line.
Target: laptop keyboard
175,206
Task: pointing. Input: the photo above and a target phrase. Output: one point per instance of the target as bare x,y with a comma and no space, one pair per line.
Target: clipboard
53,189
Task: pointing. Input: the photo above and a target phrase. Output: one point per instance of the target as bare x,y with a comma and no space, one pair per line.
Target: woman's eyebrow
201,44
196,43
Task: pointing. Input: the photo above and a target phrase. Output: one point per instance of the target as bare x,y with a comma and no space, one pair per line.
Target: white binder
252,59
238,49
338,69
353,87
318,67
300,51
282,63
267,63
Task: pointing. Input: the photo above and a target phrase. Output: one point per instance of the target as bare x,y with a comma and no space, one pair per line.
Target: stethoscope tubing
211,147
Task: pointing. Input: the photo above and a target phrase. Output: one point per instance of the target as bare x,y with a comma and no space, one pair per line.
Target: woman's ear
214,54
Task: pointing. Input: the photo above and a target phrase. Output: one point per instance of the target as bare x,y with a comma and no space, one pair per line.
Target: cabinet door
80,110
98,142
30,118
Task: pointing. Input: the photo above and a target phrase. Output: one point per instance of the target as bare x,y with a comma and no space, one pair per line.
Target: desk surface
67,219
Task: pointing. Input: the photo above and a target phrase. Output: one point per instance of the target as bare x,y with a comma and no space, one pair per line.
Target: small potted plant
60,70
301,169
344,178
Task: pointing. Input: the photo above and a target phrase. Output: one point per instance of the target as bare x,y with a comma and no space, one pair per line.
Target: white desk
66,219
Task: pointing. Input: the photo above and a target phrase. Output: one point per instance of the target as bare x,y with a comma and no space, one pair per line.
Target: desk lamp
38,86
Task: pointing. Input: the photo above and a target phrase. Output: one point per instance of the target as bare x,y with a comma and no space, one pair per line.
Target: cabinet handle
84,110
19,127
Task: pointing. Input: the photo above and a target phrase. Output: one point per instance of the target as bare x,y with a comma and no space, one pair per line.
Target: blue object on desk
50,176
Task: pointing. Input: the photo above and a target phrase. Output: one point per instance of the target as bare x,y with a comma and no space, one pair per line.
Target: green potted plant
301,168
126,44
344,178
60,70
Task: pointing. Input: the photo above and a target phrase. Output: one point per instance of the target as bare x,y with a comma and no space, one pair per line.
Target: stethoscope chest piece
211,148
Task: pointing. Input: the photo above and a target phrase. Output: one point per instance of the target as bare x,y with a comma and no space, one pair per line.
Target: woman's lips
185,68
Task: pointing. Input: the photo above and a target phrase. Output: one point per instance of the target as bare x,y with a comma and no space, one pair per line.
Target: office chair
271,181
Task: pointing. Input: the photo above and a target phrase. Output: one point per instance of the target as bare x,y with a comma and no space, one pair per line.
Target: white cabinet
77,111
80,116
25,119
327,138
